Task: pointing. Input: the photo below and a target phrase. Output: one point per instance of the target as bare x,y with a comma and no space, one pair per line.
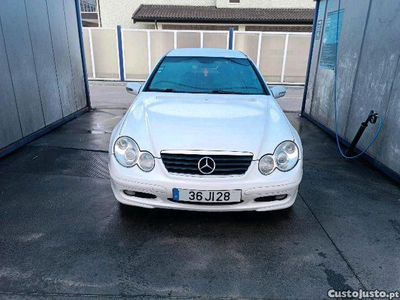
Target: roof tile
191,14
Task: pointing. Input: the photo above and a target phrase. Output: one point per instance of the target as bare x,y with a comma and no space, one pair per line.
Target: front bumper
160,183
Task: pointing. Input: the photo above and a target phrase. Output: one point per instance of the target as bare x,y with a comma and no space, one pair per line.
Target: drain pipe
303,105
230,44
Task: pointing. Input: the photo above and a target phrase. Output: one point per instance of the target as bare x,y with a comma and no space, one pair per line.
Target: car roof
205,52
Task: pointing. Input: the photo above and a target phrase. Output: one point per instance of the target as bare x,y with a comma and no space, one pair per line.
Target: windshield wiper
169,90
225,92
163,90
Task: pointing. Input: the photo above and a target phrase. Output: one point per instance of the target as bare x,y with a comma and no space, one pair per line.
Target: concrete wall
368,75
119,12
41,70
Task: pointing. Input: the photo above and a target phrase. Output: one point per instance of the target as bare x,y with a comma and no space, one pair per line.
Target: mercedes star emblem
206,165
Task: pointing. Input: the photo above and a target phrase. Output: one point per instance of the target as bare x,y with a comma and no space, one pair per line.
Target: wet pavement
62,234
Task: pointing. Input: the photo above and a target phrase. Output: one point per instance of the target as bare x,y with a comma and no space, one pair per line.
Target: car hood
160,121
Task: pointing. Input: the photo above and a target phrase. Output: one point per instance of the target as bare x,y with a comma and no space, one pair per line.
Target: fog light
139,194
129,193
270,198
280,197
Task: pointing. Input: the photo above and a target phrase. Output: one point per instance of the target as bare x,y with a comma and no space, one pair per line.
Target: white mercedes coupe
205,133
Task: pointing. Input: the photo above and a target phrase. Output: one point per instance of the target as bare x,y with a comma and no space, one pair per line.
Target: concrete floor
62,234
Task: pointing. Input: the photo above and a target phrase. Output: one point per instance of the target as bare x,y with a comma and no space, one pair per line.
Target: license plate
224,196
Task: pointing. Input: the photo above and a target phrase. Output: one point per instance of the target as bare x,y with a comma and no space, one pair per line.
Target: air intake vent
212,164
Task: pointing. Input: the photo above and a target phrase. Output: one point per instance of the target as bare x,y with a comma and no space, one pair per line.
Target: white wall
119,12
267,4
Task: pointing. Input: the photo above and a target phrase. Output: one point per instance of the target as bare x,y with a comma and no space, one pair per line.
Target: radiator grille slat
224,164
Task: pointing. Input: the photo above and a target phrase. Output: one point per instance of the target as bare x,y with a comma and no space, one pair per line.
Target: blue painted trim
175,194
377,164
230,47
41,132
303,105
82,46
121,56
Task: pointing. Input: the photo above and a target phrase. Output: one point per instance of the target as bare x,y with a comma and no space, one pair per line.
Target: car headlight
285,158
146,161
128,154
266,164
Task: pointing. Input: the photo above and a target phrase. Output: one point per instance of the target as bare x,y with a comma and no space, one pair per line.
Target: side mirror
278,92
133,88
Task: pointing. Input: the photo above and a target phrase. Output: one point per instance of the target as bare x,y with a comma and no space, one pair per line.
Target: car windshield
215,75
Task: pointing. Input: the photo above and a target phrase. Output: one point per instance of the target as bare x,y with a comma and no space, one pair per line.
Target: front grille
224,164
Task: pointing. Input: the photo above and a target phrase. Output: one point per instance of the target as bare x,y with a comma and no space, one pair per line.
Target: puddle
99,132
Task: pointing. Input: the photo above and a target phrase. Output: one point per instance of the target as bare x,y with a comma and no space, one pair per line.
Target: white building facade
178,14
